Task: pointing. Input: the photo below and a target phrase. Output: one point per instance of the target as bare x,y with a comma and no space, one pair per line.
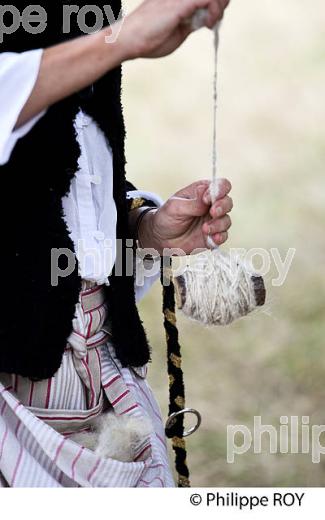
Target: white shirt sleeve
18,75
146,274
148,195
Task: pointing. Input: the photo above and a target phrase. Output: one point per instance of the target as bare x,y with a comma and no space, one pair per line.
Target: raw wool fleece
115,436
35,315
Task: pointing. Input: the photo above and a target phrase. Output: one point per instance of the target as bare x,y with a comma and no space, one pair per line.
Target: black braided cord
176,379
174,365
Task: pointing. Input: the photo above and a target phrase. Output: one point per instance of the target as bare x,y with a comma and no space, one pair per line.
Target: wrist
113,48
146,235
119,38
129,40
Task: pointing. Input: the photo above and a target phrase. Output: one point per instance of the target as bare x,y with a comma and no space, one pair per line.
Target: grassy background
271,146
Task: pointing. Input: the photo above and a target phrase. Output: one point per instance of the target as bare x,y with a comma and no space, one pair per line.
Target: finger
221,207
214,10
215,13
220,238
191,191
217,226
188,202
187,8
184,32
224,187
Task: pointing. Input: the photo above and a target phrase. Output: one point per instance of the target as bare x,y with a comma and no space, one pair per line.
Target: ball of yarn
218,289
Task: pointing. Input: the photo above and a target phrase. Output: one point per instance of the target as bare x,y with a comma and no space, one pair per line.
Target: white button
99,235
95,179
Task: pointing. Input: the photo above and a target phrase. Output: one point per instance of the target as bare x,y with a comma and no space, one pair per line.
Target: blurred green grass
272,147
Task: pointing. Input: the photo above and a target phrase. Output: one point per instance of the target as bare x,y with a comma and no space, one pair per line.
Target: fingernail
218,211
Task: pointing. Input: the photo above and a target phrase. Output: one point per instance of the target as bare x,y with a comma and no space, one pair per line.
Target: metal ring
172,419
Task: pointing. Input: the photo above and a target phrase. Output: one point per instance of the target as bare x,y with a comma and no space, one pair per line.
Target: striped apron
37,418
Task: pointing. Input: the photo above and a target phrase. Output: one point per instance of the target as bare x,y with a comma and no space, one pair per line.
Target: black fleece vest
36,317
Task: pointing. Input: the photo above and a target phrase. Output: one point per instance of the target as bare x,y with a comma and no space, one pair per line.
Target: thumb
190,200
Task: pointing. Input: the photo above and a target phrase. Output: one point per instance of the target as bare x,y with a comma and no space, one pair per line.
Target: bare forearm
155,29
70,67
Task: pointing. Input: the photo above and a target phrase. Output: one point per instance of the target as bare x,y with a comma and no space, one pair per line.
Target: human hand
188,218
158,27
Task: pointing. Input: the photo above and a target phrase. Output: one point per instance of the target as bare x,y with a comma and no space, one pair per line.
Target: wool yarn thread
228,288
217,297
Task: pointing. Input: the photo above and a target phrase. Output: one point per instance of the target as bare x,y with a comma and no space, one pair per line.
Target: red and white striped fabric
37,418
